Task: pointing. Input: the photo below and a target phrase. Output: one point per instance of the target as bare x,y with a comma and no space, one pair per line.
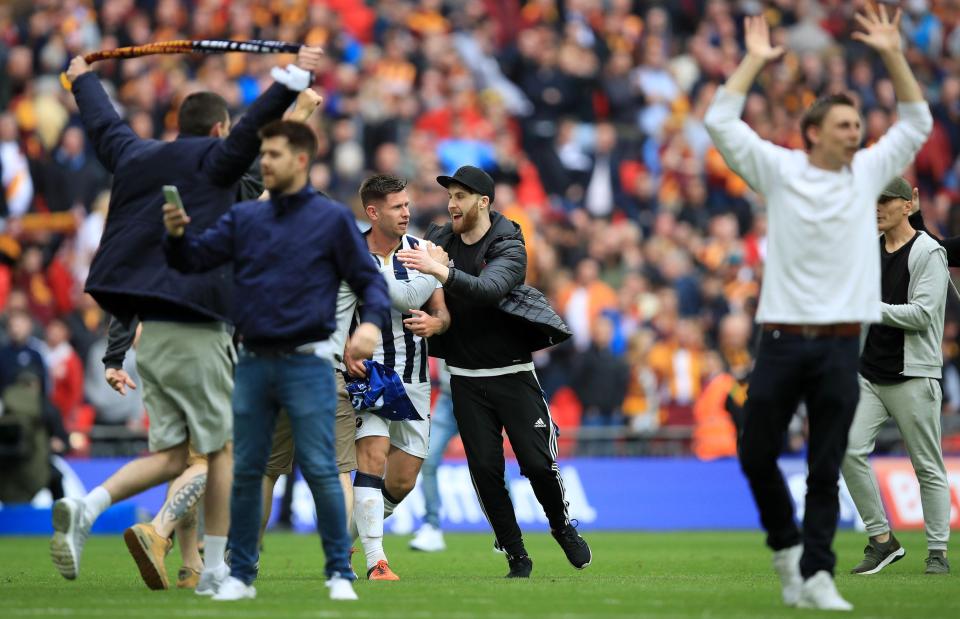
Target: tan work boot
149,550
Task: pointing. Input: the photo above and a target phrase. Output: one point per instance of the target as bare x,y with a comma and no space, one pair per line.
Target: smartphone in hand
172,195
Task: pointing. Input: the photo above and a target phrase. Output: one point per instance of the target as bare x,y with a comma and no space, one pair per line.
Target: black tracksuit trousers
484,407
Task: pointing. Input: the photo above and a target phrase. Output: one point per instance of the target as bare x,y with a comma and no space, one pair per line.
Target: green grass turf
717,574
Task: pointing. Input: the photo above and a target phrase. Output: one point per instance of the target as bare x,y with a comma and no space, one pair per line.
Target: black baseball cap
473,178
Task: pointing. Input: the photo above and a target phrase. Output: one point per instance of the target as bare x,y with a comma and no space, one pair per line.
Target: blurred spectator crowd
588,114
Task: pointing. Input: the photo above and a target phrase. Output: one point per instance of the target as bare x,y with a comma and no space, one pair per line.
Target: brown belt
838,329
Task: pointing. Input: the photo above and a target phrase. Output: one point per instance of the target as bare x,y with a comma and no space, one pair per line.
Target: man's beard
469,219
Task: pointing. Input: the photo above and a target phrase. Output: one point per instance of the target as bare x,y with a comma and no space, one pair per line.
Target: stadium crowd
587,113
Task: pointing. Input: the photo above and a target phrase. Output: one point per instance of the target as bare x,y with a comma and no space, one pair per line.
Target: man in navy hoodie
289,255
186,356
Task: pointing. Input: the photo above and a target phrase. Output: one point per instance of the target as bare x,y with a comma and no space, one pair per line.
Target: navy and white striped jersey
409,289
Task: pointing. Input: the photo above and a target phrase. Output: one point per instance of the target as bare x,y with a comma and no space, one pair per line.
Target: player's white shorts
411,436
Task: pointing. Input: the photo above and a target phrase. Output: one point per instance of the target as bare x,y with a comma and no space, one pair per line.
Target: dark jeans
484,408
823,373
304,386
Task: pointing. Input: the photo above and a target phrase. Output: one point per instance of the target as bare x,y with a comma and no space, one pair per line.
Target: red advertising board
901,492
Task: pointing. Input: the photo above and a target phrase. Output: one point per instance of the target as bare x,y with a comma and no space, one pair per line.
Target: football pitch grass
708,575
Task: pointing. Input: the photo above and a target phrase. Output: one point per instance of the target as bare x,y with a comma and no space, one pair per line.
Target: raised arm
759,53
897,148
753,158
111,137
951,245
229,160
883,35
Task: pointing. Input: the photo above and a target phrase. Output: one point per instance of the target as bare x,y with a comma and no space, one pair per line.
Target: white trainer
786,562
212,579
428,539
821,593
341,589
233,589
70,530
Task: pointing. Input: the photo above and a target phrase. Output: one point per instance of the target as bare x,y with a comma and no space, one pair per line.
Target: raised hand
880,32
309,58
757,39
307,103
78,66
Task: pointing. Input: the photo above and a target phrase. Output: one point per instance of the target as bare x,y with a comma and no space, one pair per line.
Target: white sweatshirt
823,259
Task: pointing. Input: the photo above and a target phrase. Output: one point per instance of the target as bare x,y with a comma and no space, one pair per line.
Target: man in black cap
900,369
496,323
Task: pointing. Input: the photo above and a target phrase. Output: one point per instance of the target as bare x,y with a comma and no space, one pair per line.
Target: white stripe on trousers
554,451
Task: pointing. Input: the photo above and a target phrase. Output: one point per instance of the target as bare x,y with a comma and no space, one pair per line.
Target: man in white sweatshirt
821,280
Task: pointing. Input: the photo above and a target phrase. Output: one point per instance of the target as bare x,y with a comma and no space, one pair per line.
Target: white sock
388,507
368,516
213,549
96,502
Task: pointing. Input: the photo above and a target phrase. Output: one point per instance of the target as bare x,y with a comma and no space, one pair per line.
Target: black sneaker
574,546
937,563
877,556
520,567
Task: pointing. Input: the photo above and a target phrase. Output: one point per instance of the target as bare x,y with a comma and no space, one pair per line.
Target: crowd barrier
623,494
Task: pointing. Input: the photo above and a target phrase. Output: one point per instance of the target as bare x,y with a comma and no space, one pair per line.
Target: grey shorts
187,372
282,451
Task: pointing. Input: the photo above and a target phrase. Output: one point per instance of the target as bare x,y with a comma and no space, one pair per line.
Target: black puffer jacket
502,266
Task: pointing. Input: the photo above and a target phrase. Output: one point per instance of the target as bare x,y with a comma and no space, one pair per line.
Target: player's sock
389,504
96,502
213,548
368,515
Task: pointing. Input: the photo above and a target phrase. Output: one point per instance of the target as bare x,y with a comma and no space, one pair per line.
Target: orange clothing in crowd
516,213
424,22
714,433
397,76
680,371
718,170
440,121
601,297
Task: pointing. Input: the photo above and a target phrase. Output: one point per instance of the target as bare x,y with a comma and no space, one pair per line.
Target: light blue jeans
443,427
303,385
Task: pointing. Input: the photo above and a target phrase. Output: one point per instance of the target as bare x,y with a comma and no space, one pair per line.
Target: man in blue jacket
289,255
186,355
